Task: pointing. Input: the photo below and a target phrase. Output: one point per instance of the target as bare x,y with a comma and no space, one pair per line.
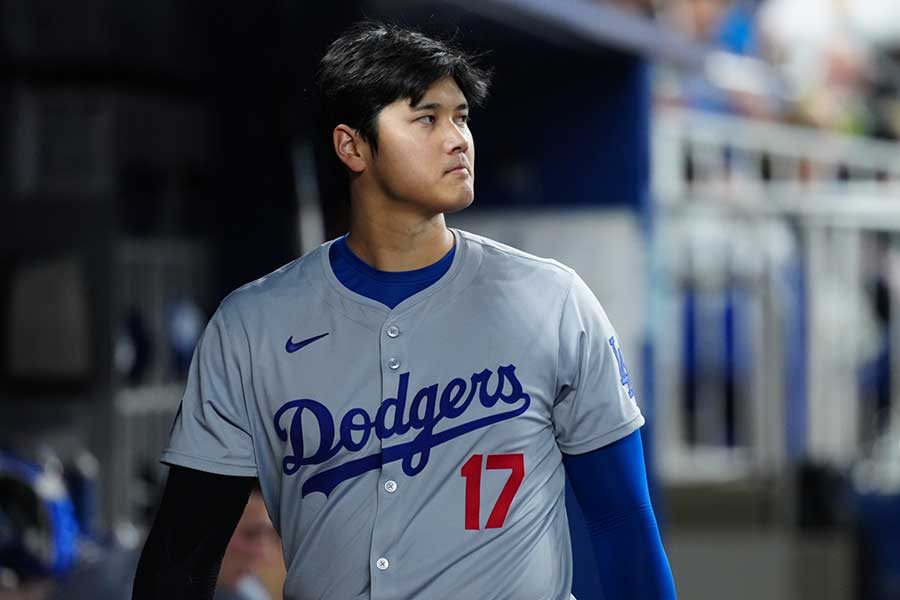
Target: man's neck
398,242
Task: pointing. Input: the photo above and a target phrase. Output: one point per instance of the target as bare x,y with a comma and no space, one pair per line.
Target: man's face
253,543
426,154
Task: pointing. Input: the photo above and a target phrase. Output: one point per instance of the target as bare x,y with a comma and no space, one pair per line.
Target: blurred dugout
775,289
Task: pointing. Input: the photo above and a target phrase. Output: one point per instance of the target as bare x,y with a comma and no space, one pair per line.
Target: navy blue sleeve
195,520
611,486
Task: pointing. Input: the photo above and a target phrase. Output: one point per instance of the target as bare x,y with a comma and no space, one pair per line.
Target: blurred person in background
253,549
830,53
728,26
37,563
38,528
879,22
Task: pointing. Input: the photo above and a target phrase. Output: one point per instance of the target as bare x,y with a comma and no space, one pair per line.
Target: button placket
393,332
390,506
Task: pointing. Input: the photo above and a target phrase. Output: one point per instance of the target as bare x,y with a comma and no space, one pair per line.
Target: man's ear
349,147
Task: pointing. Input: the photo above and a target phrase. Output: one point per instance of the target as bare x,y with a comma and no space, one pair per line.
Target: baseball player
410,397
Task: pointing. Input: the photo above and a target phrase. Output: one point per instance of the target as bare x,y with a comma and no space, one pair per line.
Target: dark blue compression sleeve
611,486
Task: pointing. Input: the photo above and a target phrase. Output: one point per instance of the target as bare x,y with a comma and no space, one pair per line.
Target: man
408,394
252,549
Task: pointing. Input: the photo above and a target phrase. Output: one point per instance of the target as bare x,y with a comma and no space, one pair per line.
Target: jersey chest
419,391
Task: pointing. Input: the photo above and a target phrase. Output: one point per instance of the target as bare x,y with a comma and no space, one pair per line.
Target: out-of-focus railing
775,297
143,420
726,157
161,285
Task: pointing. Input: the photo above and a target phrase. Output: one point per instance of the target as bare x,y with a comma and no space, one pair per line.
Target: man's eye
464,119
427,119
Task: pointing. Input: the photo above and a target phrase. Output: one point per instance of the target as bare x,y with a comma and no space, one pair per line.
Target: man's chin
458,204
446,204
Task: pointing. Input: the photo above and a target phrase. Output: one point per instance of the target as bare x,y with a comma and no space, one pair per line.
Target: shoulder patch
624,376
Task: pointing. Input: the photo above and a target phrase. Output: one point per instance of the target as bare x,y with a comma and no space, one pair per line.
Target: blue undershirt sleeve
610,484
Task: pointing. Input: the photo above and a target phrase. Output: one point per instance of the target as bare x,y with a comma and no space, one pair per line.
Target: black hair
374,64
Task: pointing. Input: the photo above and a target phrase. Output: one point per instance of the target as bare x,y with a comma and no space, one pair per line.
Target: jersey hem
174,458
608,438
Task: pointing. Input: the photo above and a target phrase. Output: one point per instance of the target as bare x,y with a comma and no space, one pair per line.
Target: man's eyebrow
437,105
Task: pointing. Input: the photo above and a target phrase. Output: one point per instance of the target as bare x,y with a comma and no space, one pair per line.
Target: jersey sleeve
211,431
595,403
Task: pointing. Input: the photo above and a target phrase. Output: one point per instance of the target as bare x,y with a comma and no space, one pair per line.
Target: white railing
143,421
151,277
769,232
726,157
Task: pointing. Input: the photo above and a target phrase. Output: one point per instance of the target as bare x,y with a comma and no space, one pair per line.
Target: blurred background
723,173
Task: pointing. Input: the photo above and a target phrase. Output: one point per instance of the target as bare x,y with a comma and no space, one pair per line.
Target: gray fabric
507,354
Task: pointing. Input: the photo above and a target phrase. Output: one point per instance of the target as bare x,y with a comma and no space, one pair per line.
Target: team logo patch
624,377
502,392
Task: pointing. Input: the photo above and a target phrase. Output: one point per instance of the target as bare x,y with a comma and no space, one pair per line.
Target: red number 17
472,473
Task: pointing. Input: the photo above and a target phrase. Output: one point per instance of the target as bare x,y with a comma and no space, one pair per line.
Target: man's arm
611,486
195,521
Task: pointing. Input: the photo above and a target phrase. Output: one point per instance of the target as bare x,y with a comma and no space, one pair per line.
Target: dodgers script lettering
430,406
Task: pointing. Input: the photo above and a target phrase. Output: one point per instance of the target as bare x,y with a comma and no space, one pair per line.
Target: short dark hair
374,64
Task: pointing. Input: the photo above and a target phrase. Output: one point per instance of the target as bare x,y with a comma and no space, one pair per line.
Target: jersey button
390,486
394,363
382,564
393,331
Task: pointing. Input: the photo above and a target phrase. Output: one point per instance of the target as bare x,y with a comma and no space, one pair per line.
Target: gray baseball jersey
413,452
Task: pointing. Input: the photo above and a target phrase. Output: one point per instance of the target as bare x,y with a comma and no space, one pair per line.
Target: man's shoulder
497,256
286,284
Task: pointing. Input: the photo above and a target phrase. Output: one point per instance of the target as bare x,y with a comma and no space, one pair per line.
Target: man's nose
456,140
